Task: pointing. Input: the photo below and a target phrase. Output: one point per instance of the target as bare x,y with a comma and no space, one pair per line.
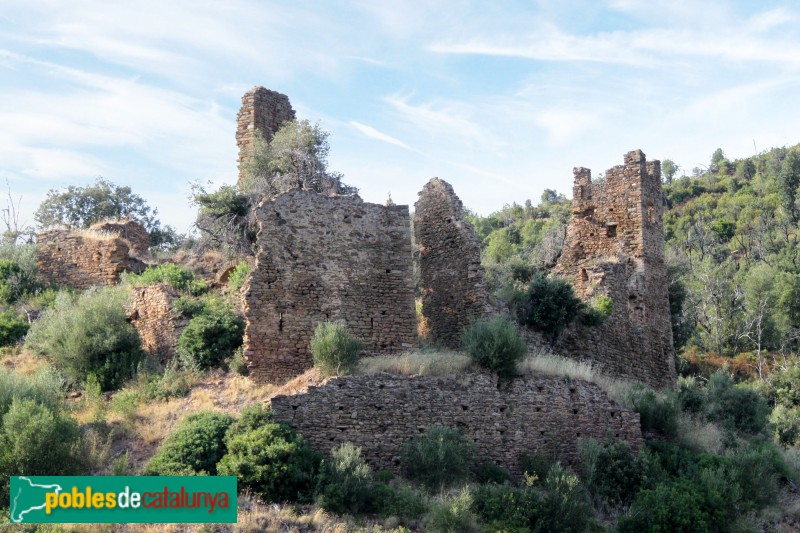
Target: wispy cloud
372,133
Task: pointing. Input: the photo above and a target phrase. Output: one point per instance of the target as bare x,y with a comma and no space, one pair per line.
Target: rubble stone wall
130,230
262,110
83,259
322,259
380,412
150,310
615,247
451,275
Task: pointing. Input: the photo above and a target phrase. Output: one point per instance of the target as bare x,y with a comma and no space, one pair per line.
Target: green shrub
673,507
488,471
12,328
786,383
239,275
506,508
173,382
452,515
210,337
564,506
237,364
597,311
89,334
690,395
194,447
34,440
18,272
334,350
495,344
536,463
270,459
757,470
736,408
612,473
658,413
176,276
548,305
345,481
438,459
44,388
786,425
401,501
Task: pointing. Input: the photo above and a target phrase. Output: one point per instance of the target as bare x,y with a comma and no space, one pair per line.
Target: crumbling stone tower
262,110
615,247
451,275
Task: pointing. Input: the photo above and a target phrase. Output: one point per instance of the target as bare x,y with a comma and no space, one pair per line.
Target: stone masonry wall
451,275
380,412
262,110
151,312
327,258
615,247
83,259
130,230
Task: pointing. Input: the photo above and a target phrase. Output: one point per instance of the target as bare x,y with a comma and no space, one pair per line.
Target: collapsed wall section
262,110
615,247
380,412
130,230
322,259
451,275
83,259
151,311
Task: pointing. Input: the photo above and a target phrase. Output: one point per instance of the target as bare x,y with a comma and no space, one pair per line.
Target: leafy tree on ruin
295,158
80,207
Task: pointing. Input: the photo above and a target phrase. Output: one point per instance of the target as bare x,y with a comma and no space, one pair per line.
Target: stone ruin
378,413
84,258
615,247
130,230
262,110
324,258
451,275
150,310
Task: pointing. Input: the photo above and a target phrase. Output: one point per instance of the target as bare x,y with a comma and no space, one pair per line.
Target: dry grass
22,360
699,435
417,363
555,365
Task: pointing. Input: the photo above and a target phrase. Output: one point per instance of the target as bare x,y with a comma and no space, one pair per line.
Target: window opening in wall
611,230
280,322
584,275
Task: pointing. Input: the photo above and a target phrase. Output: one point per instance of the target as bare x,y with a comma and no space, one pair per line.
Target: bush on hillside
18,279
44,388
345,482
736,408
495,344
210,337
548,305
239,275
437,459
88,334
178,277
658,413
12,328
334,350
194,447
270,459
36,441
612,474
786,425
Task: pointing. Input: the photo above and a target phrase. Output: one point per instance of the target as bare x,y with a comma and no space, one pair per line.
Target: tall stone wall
150,310
262,110
83,259
130,230
380,412
327,258
451,275
615,247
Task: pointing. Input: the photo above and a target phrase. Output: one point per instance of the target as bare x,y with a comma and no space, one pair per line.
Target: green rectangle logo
123,499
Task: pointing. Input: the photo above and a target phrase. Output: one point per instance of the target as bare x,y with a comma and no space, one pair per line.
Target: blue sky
501,99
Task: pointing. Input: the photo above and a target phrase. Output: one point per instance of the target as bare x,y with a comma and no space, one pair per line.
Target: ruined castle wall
327,258
615,247
451,275
130,230
150,310
380,412
83,259
262,110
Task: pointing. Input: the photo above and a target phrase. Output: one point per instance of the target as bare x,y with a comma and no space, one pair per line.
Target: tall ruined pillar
262,110
452,278
615,248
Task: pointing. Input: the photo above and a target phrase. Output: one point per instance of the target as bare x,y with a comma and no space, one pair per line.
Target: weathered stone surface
451,275
327,258
262,110
85,258
130,230
150,310
615,247
380,412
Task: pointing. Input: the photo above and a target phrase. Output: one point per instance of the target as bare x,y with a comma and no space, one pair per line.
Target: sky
501,99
